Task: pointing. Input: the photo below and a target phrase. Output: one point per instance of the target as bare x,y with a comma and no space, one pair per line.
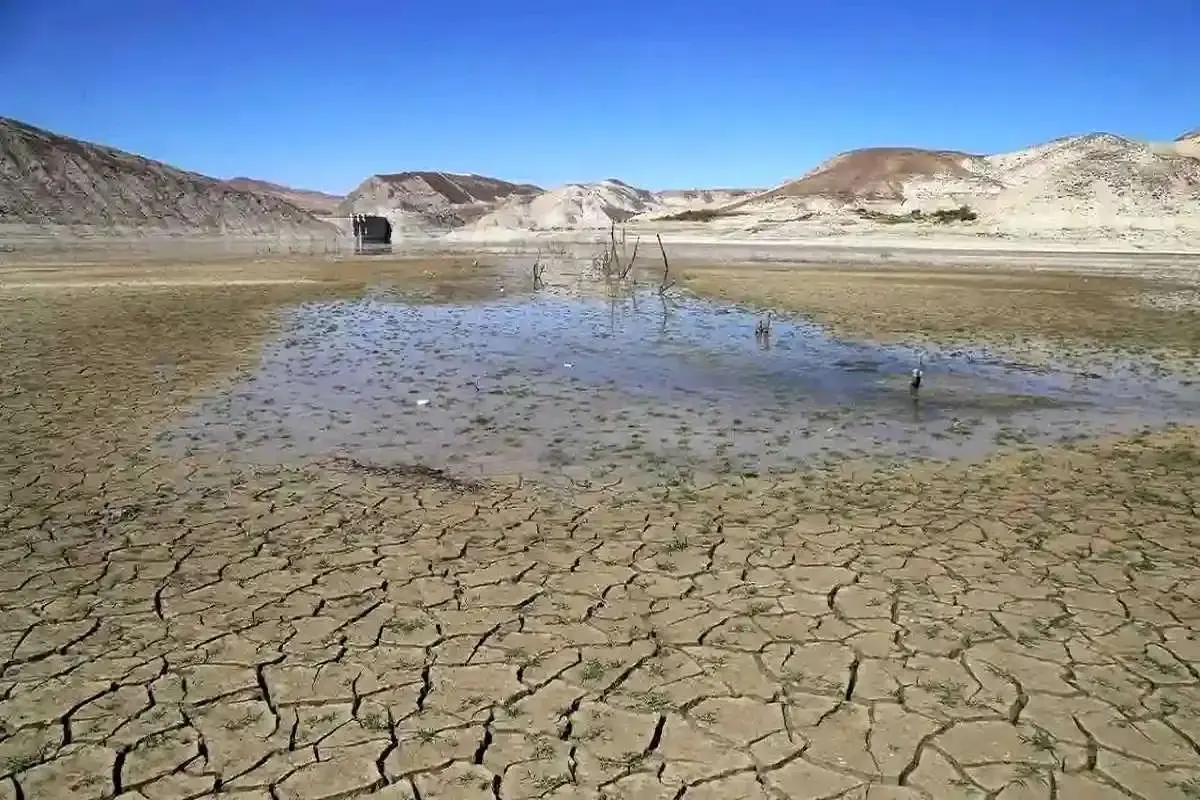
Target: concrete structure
372,234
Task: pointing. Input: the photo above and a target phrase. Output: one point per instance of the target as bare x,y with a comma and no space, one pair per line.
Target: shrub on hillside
694,215
960,214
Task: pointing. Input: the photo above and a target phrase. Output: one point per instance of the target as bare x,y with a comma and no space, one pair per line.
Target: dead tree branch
666,282
614,260
629,264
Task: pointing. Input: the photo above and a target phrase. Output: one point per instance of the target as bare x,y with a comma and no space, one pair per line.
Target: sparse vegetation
942,215
697,215
592,670
615,263
886,218
375,721
960,214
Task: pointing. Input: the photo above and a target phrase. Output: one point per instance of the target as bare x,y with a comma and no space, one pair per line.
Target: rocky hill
1188,144
49,179
1096,179
1100,177
701,198
885,174
575,205
439,199
318,203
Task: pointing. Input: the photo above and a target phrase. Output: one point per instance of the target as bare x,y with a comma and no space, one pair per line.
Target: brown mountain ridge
440,198
47,178
875,173
319,203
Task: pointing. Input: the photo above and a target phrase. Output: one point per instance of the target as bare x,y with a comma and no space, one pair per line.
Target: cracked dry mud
1022,628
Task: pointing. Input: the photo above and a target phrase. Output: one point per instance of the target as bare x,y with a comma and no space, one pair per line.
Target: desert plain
512,583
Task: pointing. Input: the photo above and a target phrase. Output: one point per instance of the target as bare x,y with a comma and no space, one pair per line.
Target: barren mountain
50,179
883,175
1188,144
575,205
1099,177
698,198
1074,182
438,198
319,203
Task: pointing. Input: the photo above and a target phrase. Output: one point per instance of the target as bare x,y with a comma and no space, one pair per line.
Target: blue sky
666,94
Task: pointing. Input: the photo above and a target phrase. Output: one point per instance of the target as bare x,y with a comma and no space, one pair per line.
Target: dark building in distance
372,234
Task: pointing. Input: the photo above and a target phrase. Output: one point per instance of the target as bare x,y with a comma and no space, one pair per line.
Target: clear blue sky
663,94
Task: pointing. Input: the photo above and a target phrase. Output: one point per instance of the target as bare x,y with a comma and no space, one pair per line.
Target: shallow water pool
639,388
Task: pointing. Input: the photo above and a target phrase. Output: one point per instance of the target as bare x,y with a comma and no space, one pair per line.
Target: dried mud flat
204,624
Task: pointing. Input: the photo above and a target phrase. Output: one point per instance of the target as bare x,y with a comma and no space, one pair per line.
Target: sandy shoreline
1103,257
1153,257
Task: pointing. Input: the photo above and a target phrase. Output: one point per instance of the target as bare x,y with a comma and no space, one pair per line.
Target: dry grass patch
95,353
960,306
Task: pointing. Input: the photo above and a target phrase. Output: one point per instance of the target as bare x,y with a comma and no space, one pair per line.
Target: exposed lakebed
640,388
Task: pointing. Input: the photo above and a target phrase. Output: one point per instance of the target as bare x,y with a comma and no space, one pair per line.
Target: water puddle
638,388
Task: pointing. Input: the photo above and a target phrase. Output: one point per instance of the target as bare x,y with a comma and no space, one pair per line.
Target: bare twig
602,262
629,265
614,259
665,285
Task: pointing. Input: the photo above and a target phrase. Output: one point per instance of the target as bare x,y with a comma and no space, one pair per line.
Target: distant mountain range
49,179
1097,179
